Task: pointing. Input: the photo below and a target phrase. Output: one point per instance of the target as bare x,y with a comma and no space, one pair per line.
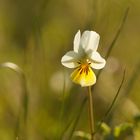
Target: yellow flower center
84,75
84,68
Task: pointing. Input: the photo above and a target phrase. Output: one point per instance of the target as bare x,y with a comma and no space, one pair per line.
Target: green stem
91,115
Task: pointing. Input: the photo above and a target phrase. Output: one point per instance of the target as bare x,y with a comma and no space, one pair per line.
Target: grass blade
74,121
22,116
132,80
113,102
77,118
117,33
115,38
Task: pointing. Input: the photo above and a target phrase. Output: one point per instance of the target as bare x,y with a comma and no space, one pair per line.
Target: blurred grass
21,123
36,34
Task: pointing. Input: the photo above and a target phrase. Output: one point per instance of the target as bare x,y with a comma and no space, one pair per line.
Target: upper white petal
97,62
77,41
90,41
70,59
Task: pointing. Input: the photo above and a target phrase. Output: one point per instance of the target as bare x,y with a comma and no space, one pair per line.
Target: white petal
90,41
97,62
77,41
70,59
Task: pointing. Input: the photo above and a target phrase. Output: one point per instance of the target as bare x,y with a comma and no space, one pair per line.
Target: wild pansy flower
84,57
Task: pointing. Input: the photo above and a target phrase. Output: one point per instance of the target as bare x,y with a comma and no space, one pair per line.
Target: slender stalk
91,115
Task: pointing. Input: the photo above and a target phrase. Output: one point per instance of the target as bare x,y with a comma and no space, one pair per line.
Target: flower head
83,58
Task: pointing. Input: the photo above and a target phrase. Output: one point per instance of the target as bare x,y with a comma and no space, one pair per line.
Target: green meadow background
35,34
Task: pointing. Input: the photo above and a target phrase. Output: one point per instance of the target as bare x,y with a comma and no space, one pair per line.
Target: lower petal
83,78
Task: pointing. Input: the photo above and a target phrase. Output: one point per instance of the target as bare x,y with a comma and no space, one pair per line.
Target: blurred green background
35,34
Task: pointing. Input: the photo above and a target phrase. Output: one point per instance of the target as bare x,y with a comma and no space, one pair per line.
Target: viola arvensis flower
84,57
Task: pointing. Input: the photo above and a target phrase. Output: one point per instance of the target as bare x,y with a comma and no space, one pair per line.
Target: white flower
84,57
